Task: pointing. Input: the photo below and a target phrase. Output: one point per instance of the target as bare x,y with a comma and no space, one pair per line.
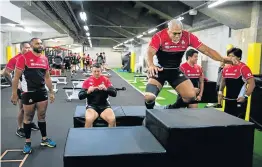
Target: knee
111,120
41,116
151,92
191,96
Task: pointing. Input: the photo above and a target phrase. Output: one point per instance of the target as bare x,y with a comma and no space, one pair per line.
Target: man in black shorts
58,62
96,89
10,67
67,62
169,45
34,68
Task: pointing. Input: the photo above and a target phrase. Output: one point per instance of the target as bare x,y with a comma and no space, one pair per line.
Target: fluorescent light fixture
139,36
88,34
10,24
216,3
126,42
144,33
88,38
131,39
180,18
86,28
27,30
152,30
83,16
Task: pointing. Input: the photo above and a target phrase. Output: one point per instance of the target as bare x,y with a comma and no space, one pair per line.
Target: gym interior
119,33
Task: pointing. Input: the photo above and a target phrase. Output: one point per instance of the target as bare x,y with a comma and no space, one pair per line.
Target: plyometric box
118,147
125,116
202,137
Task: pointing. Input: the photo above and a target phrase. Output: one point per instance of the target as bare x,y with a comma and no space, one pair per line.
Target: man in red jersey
234,77
96,89
169,46
10,67
194,72
33,67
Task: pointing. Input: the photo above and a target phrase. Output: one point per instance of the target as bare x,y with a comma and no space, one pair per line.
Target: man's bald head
175,24
175,29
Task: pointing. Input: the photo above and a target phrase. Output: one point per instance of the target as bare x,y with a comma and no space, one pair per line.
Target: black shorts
173,76
29,98
56,66
67,66
98,109
235,108
19,93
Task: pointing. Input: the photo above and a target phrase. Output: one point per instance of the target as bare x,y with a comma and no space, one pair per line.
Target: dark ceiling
114,22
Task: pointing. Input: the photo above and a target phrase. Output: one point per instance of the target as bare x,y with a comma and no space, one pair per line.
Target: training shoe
20,132
34,127
48,142
27,148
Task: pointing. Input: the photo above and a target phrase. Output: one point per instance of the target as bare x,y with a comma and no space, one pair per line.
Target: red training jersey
235,77
194,73
98,97
170,54
12,62
34,69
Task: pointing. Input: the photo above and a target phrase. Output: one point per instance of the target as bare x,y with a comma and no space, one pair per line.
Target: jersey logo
166,43
188,70
183,42
30,100
31,60
197,70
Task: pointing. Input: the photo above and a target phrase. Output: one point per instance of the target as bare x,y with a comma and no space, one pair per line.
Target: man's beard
38,50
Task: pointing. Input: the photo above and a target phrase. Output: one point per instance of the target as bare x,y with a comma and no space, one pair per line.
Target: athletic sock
27,130
42,127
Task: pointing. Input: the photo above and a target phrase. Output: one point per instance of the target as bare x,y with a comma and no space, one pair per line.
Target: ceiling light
126,42
139,36
216,3
86,28
180,18
131,39
88,34
88,38
10,24
83,16
152,30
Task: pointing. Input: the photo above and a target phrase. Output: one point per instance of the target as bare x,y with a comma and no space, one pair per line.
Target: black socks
42,127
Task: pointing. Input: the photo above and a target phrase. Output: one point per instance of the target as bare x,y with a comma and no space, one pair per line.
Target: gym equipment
79,117
125,116
72,92
209,93
59,79
77,83
118,146
54,84
198,137
256,105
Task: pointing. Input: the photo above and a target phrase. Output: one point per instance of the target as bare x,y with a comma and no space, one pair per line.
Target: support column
133,61
254,63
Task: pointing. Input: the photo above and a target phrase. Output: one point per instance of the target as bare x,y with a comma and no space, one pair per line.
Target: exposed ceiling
114,22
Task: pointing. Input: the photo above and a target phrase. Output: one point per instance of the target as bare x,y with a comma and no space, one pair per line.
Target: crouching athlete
96,89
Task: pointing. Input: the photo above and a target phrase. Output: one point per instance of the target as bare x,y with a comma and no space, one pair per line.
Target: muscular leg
41,114
29,112
152,90
91,115
20,116
109,116
187,94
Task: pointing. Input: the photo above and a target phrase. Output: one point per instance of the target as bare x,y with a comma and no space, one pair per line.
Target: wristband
246,96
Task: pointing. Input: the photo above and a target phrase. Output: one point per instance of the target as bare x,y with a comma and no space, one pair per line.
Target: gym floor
60,119
169,98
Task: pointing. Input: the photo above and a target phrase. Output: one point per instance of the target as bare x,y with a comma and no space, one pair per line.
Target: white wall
113,59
